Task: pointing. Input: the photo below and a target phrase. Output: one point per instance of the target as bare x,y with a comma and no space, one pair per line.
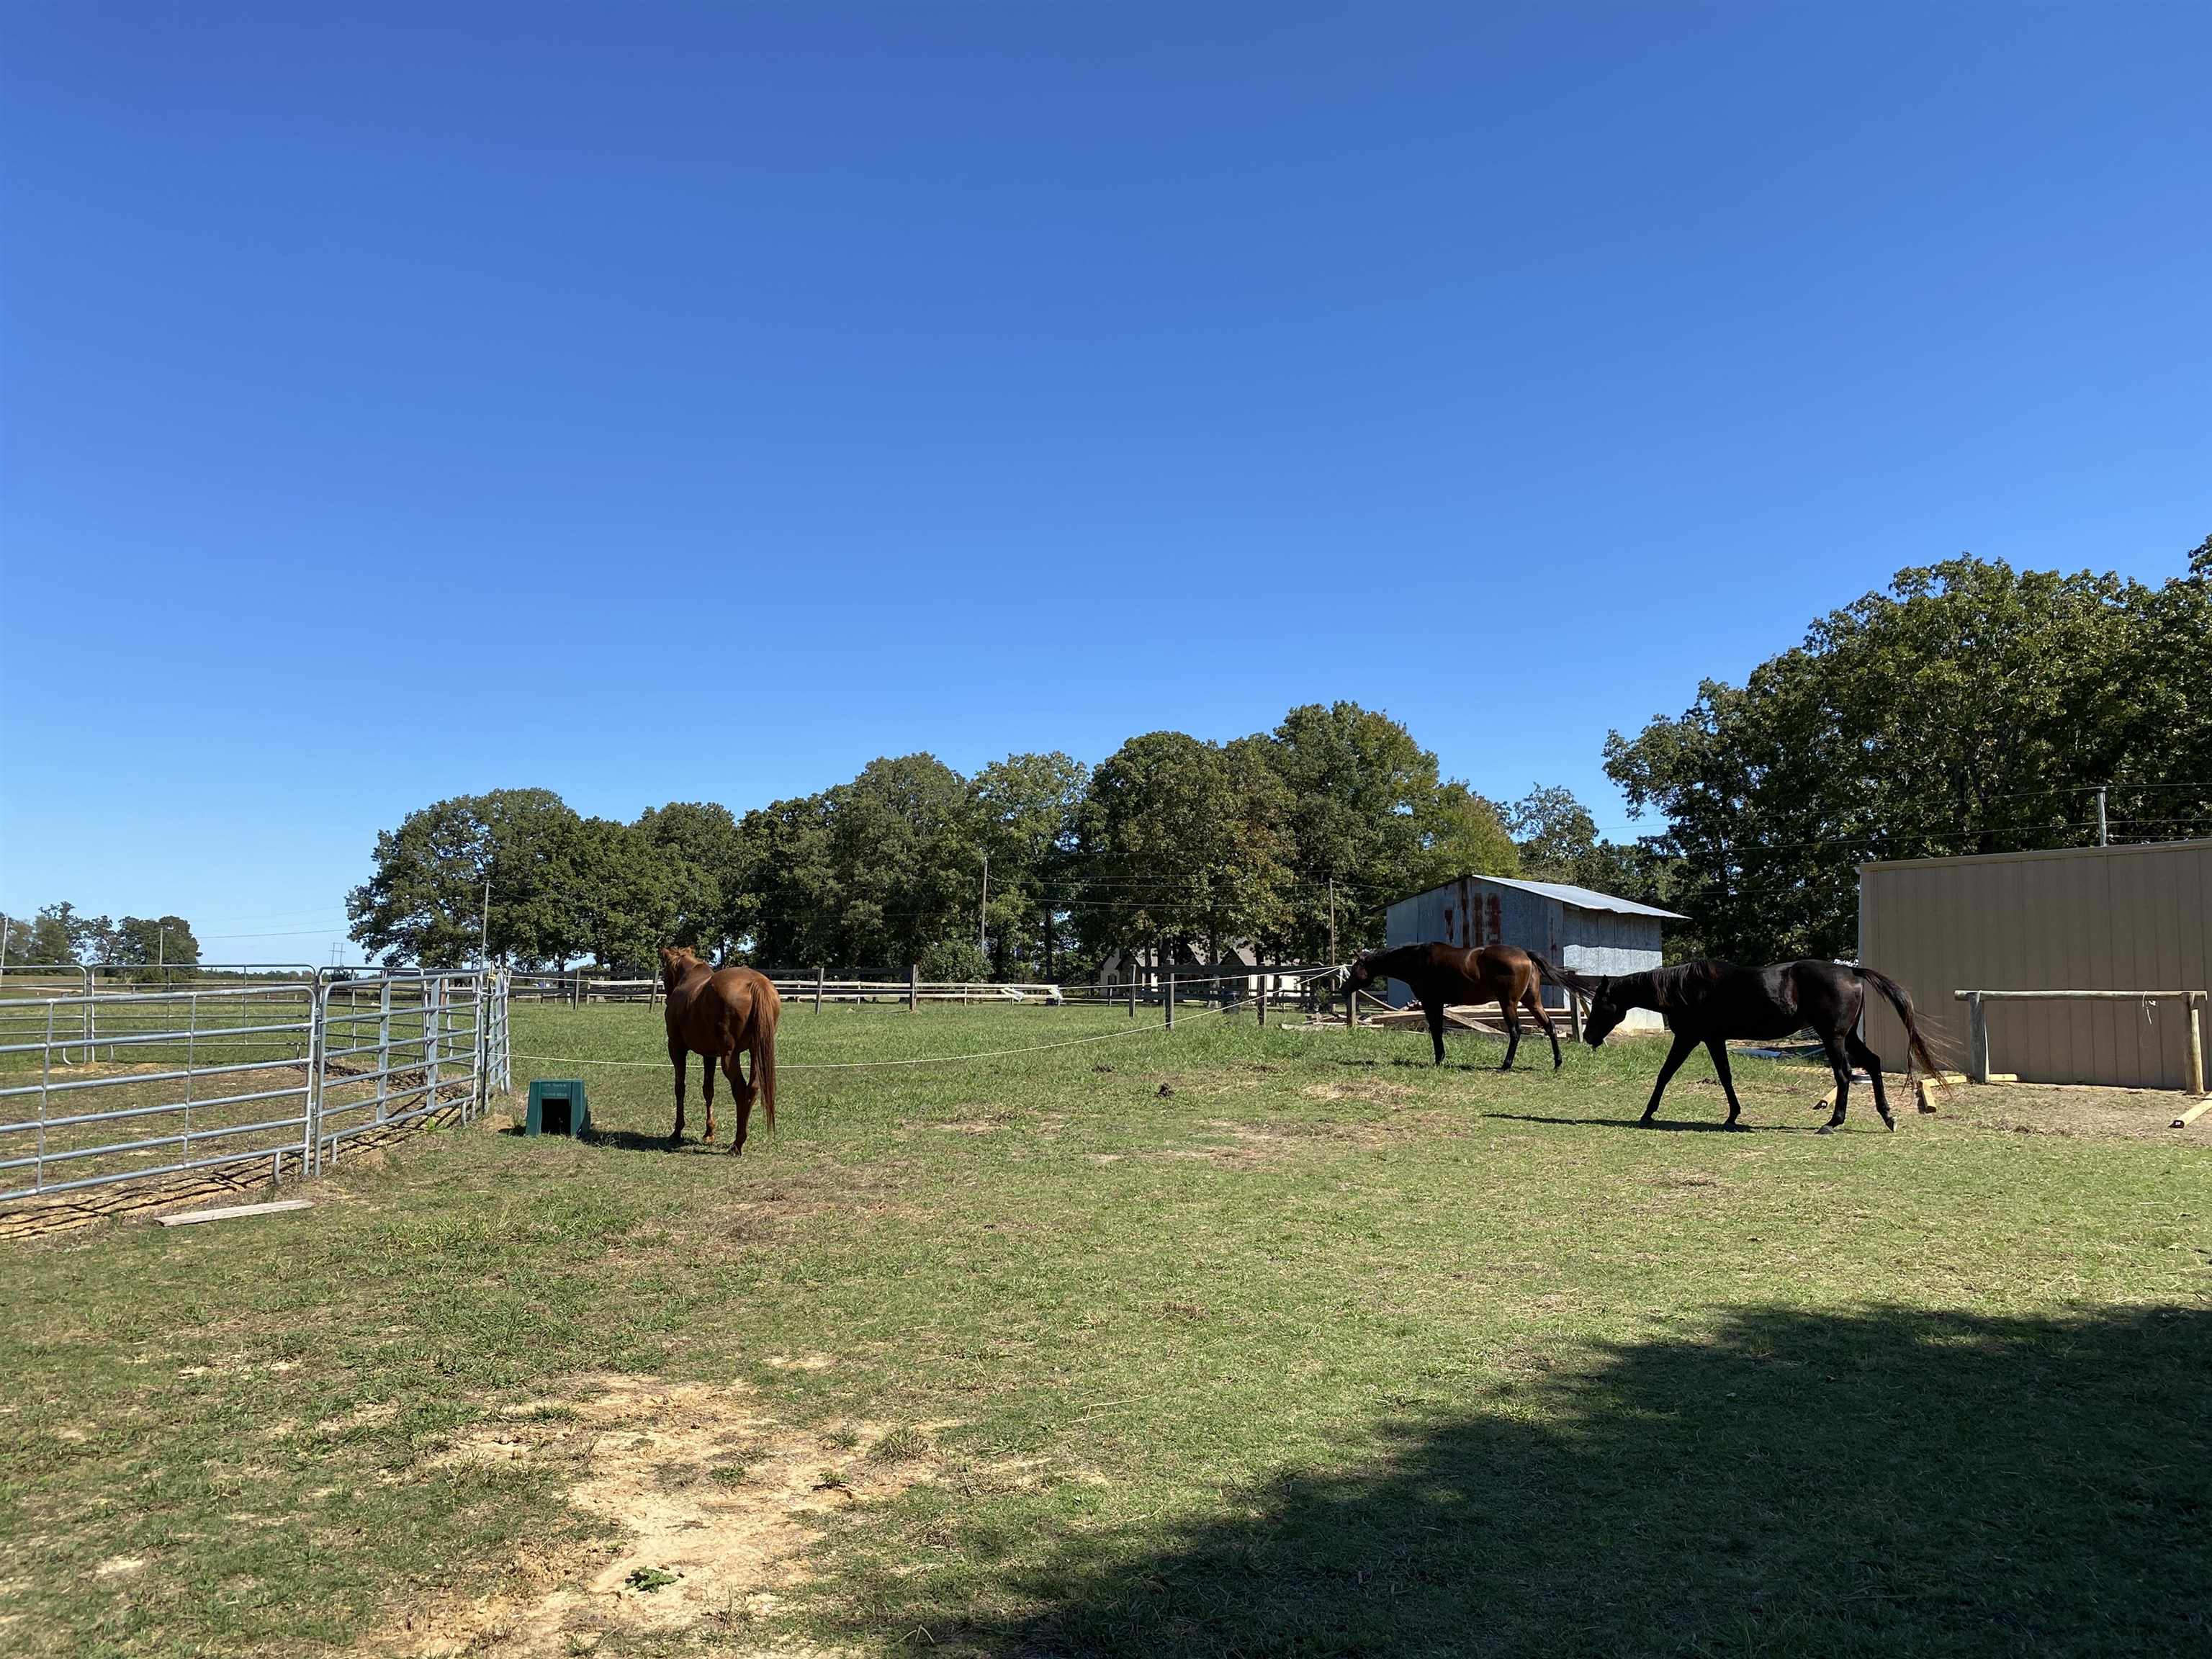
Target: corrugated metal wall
1603,942
2089,919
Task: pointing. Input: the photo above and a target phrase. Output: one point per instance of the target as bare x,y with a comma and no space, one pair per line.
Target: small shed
1574,927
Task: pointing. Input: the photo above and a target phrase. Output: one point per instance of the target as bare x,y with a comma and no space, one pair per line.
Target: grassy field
1228,1342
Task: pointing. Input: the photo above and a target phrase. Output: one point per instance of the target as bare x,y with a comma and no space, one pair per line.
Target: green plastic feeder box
557,1106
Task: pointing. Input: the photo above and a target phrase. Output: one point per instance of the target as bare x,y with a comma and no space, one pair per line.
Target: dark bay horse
1439,974
1710,1002
717,1015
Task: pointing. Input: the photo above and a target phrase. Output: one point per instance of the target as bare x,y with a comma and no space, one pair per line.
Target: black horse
1710,1002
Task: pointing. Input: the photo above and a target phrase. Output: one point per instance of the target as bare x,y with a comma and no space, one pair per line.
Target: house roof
1582,898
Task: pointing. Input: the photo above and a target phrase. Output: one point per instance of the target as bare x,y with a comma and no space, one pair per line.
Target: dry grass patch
2075,1109
705,1509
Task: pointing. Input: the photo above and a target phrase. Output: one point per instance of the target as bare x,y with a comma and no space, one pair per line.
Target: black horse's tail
1917,1045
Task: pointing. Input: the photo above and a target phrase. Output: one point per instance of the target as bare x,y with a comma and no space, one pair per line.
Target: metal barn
1575,928
2081,919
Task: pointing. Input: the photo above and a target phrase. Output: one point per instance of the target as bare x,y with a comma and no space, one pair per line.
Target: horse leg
677,1054
1683,1043
1512,1029
1544,1019
1435,1011
1861,1055
741,1096
707,1085
1840,1063
1718,1050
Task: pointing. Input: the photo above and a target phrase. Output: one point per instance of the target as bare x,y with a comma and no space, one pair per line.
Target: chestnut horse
716,1015
1439,973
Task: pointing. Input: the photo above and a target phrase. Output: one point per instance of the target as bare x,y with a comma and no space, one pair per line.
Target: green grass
1322,1352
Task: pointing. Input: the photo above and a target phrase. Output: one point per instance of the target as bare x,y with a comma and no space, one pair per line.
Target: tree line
1969,707
58,934
1966,708
1035,867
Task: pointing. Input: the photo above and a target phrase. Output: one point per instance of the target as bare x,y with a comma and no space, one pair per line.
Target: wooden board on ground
229,1211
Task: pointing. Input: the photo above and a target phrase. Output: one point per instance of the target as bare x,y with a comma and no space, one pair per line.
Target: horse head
1609,1006
677,961
1360,974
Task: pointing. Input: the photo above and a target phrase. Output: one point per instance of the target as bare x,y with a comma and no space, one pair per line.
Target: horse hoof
1824,1129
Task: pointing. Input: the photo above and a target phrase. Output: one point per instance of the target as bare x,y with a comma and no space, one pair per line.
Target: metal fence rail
101,1087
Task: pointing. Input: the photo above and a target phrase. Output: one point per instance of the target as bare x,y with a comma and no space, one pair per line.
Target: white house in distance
1573,927
1238,968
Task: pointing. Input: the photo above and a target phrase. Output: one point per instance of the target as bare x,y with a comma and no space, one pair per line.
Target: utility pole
1332,918
982,910
2101,839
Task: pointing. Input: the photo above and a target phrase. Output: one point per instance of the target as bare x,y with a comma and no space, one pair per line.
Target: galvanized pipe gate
232,1068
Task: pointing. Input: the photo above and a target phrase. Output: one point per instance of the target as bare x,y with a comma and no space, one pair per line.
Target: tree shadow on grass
1884,1481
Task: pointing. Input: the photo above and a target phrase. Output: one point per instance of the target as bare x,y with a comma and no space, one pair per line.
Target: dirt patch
714,1502
1249,1145
366,1416
2074,1110
1372,1089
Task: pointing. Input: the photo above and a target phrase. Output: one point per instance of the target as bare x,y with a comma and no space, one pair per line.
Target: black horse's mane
1664,988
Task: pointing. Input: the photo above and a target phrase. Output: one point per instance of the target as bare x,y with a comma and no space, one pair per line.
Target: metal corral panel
2086,919
1477,910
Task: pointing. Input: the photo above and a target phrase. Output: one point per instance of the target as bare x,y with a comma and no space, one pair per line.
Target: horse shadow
1673,1125
1787,1480
639,1141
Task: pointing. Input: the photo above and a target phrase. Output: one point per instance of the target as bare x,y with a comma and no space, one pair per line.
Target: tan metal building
2082,919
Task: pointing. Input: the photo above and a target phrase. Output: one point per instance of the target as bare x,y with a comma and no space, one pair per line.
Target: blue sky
654,402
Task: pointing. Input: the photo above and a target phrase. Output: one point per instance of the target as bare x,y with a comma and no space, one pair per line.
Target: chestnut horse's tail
1901,1000
765,1011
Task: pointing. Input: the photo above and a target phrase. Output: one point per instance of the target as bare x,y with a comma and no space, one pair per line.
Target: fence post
481,1095
1263,990
311,1149
2195,1075
430,1045
819,973
914,987
45,1083
1132,966
1170,998
384,1049
91,1017
1977,1039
